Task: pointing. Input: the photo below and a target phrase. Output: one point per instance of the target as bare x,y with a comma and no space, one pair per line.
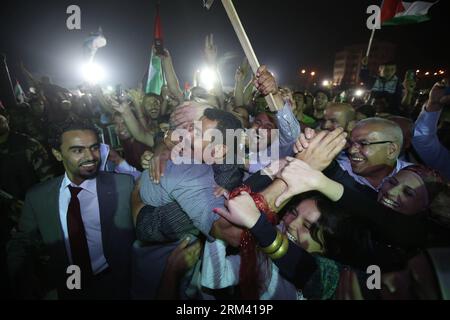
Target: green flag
155,75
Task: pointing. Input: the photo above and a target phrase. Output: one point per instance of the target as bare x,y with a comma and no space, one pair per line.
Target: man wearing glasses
373,150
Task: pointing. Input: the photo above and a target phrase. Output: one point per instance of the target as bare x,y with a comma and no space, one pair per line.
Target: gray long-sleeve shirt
191,186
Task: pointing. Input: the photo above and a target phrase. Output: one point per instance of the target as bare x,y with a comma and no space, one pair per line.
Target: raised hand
323,148
242,71
265,82
210,50
299,178
365,61
240,210
409,85
302,142
438,97
137,96
120,107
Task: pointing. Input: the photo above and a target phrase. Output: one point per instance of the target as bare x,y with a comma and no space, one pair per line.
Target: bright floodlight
326,83
93,73
359,92
208,78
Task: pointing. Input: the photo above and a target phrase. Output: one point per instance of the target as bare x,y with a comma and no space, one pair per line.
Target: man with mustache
82,218
374,147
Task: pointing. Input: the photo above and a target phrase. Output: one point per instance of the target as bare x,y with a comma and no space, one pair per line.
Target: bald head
407,126
383,128
374,147
338,115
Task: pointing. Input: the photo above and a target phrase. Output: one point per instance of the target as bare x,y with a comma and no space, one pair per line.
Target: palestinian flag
398,12
155,79
19,93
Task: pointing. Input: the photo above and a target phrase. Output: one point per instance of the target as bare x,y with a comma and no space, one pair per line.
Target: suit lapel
107,202
54,221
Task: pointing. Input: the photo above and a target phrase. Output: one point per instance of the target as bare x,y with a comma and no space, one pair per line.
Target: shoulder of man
121,180
44,187
22,138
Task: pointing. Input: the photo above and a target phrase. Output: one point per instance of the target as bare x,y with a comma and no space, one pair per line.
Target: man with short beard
82,218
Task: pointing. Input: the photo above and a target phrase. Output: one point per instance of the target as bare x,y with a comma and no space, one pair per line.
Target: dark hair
58,129
154,95
389,63
225,120
330,222
367,110
299,93
322,91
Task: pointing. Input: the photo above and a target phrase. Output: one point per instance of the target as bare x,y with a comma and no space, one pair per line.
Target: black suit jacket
40,228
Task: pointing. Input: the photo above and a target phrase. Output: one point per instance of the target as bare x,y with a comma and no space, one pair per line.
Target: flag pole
370,42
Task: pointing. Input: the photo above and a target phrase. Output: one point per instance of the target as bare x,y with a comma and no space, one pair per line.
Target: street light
93,73
303,71
427,73
313,73
326,83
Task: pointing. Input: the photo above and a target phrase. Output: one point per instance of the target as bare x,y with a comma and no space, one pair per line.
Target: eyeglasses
362,144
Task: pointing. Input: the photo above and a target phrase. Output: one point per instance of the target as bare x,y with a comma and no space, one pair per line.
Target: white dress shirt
90,214
344,163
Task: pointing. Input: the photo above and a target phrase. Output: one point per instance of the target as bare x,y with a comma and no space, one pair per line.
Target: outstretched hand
299,178
322,149
241,211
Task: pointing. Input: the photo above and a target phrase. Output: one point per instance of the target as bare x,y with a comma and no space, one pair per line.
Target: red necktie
77,235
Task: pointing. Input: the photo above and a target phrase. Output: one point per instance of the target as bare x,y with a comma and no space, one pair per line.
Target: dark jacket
40,234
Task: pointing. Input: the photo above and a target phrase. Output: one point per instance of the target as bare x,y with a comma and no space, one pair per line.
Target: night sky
286,35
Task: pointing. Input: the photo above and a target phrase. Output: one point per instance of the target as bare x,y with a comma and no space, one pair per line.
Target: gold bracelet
275,244
282,250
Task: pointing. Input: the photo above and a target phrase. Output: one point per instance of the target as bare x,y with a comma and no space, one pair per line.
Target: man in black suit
82,218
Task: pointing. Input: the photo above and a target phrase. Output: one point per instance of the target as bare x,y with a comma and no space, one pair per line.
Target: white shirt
90,214
344,163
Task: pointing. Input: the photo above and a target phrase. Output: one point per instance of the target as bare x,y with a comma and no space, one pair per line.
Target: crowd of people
92,178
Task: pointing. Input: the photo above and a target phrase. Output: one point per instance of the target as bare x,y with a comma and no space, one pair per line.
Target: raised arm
138,132
171,77
295,264
210,52
425,140
240,76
